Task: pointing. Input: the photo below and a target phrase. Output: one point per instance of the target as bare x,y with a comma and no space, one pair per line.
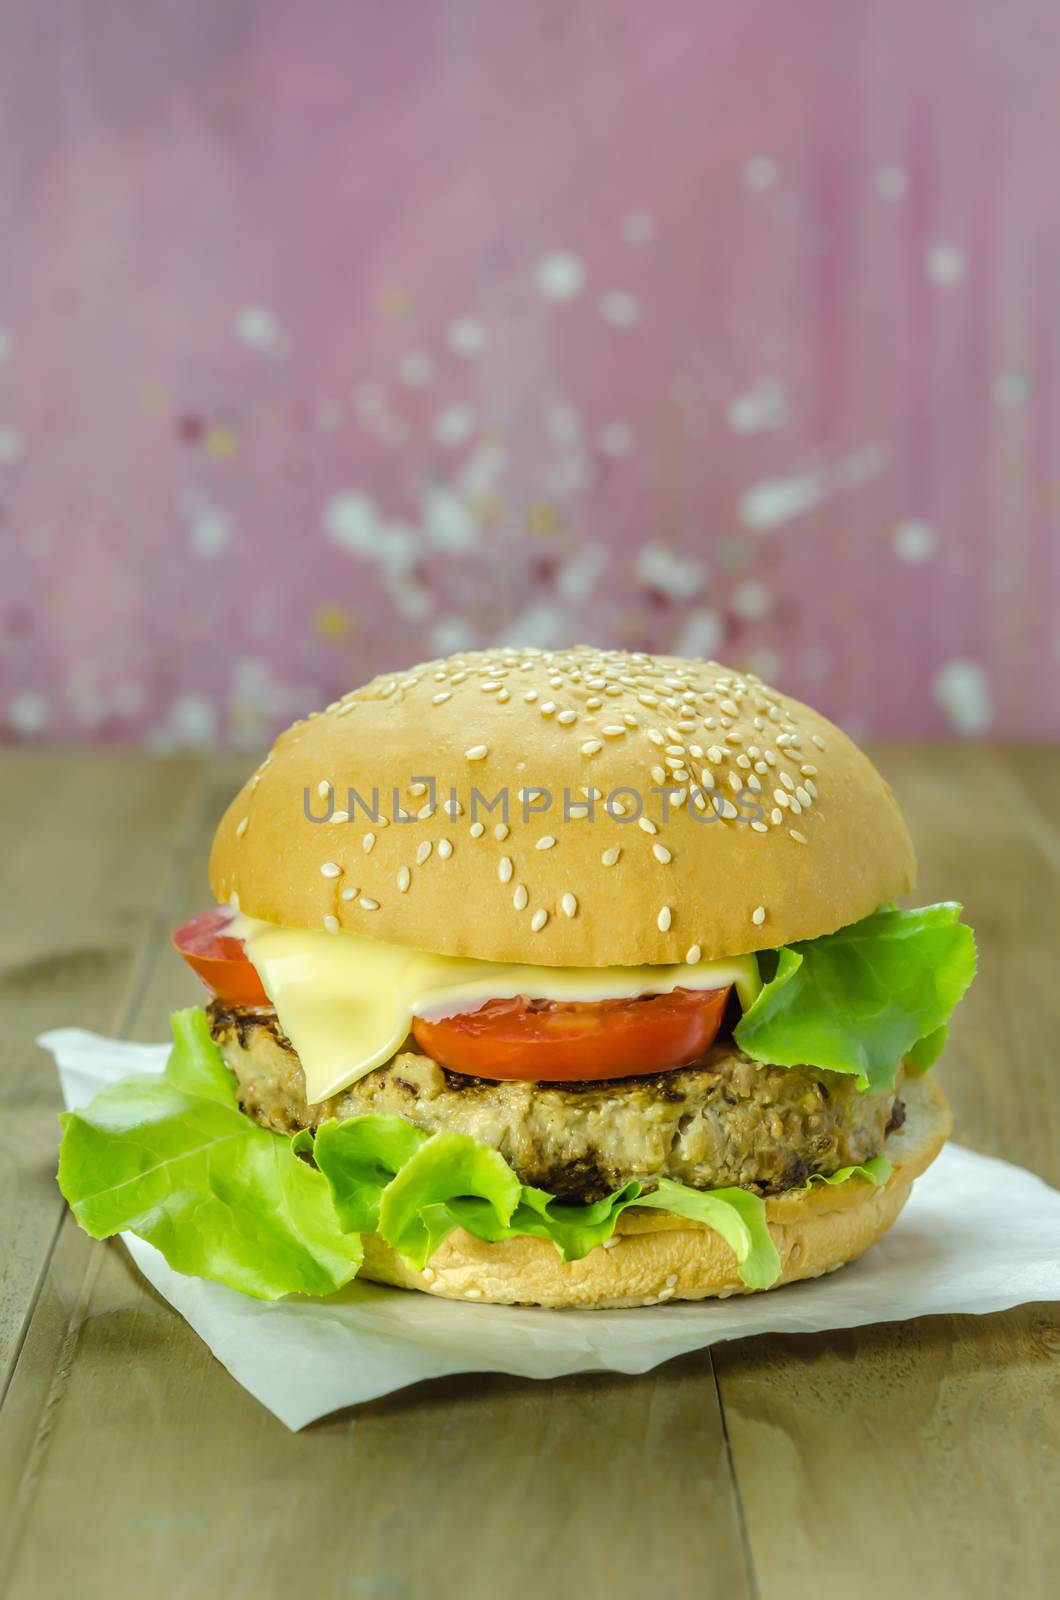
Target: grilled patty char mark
727,1120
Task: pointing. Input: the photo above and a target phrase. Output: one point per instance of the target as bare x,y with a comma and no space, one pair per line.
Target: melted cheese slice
347,1002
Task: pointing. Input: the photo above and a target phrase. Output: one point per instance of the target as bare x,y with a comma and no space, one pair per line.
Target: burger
563,978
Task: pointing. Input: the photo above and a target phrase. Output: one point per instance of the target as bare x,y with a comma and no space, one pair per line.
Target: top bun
778,827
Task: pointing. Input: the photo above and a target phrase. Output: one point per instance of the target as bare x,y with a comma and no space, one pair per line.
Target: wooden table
922,1456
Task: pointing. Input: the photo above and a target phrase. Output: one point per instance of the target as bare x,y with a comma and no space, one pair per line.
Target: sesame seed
367,843
661,853
423,852
676,750
339,816
323,788
818,741
759,827
538,920
647,825
368,904
706,778
808,769
800,838
659,774
567,717
610,856
331,923
548,707
442,697
404,878
693,955
666,1294
613,730
655,736
811,788
796,807
788,781
545,842
452,808
758,916
781,798
735,782
426,811
477,829
241,827
530,696
505,869
478,752
569,905
330,869
416,789
612,1243
591,746
663,920
349,893
715,753
500,832
445,848
520,897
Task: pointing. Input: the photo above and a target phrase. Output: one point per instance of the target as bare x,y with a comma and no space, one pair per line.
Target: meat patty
725,1120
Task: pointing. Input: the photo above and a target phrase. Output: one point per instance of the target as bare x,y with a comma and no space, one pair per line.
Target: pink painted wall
338,335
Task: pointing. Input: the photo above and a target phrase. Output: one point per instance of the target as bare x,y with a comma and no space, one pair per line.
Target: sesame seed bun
661,1257
778,827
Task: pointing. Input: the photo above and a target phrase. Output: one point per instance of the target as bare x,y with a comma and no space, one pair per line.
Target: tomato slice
576,1041
219,959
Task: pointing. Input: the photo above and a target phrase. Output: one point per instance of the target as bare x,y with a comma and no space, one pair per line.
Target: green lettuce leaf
865,998
173,1159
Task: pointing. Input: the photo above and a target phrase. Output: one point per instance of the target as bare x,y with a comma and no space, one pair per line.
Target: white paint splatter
620,308
701,635
450,634
891,182
615,439
28,712
542,624
760,172
450,524
560,276
751,599
766,663
769,504
1010,390
257,327
210,526
369,398
415,369
946,265
454,425
192,721
12,446
680,577
764,405
577,578
466,336
914,540
962,688
564,424
638,227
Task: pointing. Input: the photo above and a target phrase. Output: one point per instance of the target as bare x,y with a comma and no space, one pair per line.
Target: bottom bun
654,1256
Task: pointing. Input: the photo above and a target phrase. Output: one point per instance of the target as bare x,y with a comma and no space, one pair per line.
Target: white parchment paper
977,1235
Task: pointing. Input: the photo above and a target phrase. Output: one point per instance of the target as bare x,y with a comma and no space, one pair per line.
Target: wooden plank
924,1455
97,837
458,1485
